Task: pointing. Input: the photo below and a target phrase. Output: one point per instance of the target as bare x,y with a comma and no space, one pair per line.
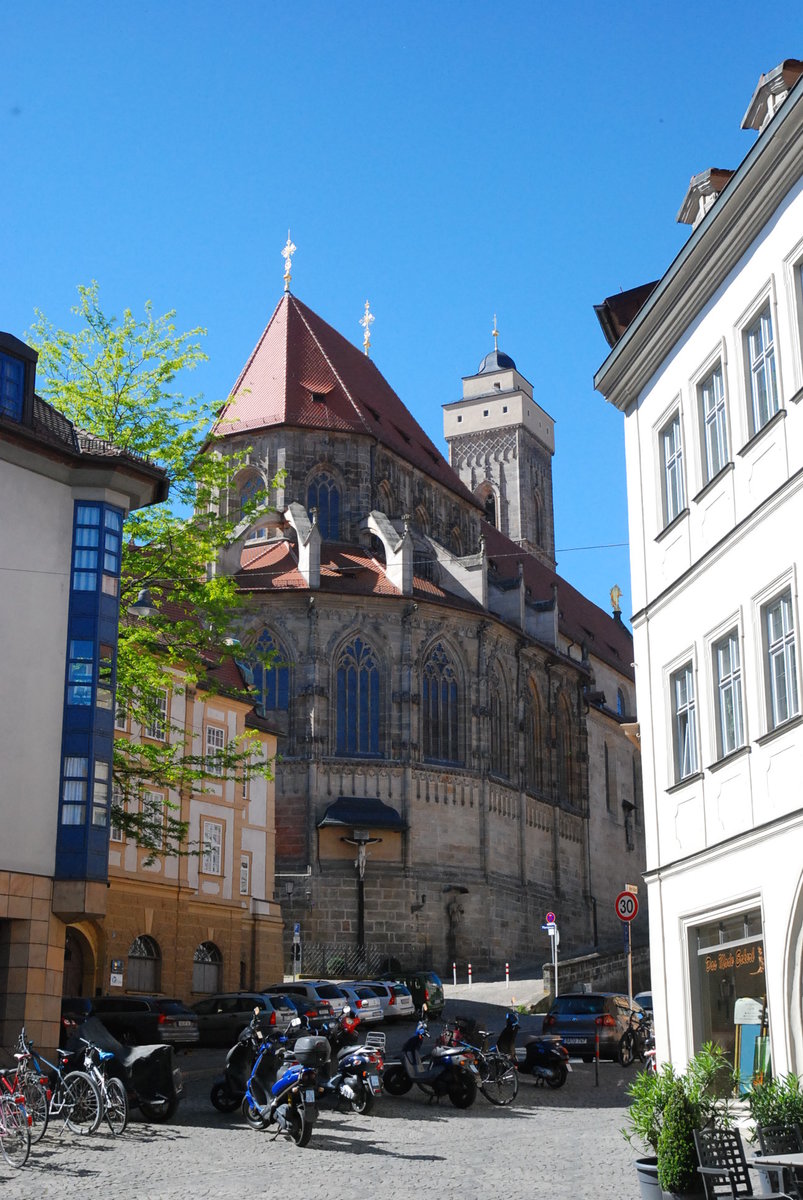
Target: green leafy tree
117,379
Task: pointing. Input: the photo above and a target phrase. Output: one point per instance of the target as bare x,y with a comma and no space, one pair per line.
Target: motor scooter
545,1058
355,1076
229,1089
446,1071
288,1101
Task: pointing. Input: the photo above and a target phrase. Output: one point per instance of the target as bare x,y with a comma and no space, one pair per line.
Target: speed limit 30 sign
626,906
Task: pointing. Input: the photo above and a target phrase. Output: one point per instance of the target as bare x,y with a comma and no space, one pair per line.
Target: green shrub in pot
777,1101
677,1156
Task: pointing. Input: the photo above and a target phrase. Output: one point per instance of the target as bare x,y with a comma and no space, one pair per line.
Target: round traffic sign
550,918
626,906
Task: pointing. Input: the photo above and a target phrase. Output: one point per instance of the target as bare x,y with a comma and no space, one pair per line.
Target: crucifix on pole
360,838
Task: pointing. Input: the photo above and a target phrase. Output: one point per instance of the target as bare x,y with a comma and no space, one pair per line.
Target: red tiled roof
300,357
579,618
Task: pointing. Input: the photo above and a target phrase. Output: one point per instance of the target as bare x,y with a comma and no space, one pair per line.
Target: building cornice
748,201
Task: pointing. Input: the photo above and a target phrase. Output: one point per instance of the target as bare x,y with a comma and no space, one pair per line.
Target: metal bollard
454,974
596,1059
507,974
469,974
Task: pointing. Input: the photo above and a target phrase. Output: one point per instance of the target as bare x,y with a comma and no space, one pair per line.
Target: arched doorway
72,983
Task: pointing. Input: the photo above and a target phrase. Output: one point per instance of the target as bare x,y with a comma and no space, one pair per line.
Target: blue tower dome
496,361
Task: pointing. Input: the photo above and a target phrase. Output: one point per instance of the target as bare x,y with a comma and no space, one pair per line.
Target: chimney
703,191
771,91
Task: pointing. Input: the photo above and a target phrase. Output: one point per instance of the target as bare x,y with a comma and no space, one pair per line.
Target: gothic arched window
358,700
563,753
269,678
500,751
440,708
621,702
490,509
324,494
533,748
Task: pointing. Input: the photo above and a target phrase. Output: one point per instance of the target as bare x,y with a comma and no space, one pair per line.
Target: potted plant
777,1101
706,1086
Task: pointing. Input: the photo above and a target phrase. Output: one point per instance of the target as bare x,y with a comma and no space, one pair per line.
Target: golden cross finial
287,255
367,320
495,334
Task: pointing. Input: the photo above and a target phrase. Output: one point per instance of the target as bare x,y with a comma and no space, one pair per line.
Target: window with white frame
684,722
212,856
672,464
714,423
153,813
781,652
215,745
761,377
245,874
157,722
728,677
118,802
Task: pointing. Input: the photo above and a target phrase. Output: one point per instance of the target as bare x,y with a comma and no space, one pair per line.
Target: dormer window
318,397
12,386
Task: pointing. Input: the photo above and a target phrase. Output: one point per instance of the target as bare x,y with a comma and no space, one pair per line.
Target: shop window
729,1001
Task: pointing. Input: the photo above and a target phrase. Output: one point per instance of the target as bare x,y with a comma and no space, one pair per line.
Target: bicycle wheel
38,1106
500,1080
15,1133
116,1113
83,1107
625,1053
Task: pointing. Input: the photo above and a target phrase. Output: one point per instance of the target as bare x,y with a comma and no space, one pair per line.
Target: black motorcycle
546,1058
446,1071
228,1091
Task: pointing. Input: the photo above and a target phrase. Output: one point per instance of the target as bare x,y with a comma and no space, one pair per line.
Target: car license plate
574,1041
184,1024
374,1082
309,1096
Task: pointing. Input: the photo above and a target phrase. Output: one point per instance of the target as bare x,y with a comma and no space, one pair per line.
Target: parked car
644,999
364,1001
313,1010
396,999
425,988
222,1018
146,1020
577,1018
312,989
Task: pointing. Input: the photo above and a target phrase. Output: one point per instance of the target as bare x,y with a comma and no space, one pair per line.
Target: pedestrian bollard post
454,974
596,1059
507,974
469,973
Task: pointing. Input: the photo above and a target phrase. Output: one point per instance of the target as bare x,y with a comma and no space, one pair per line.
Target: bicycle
499,1078
15,1130
73,1094
113,1096
636,1039
34,1093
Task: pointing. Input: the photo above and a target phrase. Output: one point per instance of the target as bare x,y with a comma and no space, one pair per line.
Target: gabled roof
303,373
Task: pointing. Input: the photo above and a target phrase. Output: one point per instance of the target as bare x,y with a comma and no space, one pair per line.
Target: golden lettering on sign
744,956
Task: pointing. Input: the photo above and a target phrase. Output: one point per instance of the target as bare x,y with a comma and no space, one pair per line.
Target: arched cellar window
207,968
144,965
500,756
440,708
269,679
358,700
323,494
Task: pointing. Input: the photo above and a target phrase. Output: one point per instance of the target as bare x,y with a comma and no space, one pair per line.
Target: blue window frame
12,386
440,708
88,724
358,700
323,494
270,682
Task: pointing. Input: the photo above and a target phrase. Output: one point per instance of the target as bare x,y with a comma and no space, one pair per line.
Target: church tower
501,445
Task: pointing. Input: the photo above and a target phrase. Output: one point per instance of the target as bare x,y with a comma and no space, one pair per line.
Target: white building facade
709,375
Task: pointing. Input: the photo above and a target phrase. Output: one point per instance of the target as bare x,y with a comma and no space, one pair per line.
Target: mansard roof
303,373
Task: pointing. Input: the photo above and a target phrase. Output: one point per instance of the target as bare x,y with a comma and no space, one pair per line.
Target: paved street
562,1143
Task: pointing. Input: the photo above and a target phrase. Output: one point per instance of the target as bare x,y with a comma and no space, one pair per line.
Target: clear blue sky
445,160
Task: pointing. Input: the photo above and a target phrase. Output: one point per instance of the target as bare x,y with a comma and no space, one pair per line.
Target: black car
578,1018
146,1020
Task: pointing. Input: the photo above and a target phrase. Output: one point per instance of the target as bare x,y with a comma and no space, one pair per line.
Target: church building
454,759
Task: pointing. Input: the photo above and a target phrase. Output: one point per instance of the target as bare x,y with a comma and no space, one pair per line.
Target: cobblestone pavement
556,1144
